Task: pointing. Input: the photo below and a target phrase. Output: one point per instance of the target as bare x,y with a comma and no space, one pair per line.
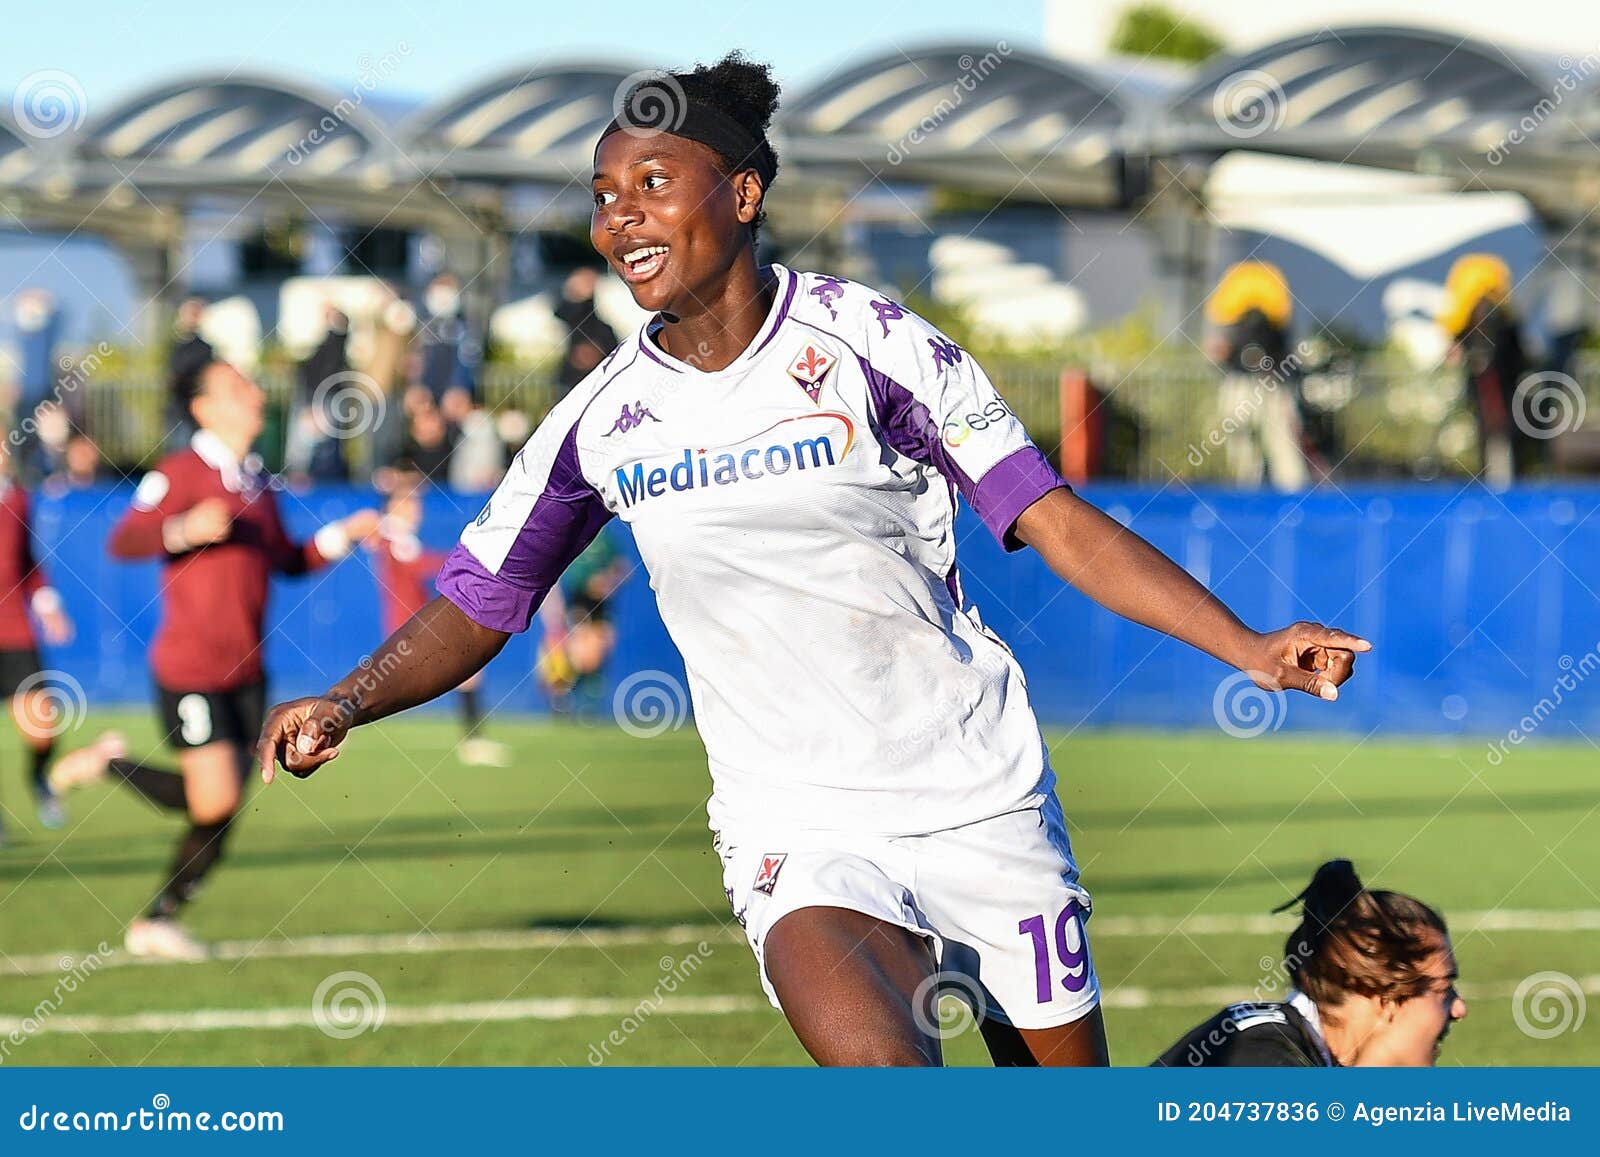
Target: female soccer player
210,513
787,448
1374,984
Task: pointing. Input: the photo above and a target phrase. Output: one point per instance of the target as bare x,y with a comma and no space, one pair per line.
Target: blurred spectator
448,354
589,339
315,448
1258,409
391,359
429,438
1487,344
80,467
190,354
578,633
478,457
38,327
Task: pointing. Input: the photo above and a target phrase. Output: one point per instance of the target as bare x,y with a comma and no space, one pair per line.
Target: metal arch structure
984,117
1401,98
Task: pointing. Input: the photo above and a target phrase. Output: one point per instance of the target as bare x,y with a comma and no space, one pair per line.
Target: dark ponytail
1354,941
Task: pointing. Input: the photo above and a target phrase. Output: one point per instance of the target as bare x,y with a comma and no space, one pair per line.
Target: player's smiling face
667,219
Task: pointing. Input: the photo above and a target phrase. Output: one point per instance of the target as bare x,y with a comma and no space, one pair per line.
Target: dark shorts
196,718
16,668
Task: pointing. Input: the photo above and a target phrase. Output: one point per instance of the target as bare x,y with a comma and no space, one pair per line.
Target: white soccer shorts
999,900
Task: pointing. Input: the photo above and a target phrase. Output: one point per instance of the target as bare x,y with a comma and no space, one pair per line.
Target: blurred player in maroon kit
25,595
211,514
405,573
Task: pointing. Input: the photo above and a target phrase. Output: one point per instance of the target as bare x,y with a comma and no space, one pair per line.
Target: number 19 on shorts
1071,951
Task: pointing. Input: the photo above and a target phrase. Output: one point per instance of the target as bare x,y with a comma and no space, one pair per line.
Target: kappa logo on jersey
630,419
810,370
767,873
804,442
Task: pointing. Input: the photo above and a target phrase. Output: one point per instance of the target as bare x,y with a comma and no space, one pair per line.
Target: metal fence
1161,417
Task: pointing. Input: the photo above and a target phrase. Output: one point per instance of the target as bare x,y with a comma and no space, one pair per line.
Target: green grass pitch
599,839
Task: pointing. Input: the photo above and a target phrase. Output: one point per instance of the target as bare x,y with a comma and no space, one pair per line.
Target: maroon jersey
214,598
20,576
405,577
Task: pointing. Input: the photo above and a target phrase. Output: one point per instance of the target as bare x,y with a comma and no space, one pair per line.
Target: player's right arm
540,518
162,522
433,652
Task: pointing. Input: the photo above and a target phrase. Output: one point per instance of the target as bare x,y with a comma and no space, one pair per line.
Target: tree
1156,30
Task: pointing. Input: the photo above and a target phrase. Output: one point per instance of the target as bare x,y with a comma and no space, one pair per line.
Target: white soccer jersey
796,514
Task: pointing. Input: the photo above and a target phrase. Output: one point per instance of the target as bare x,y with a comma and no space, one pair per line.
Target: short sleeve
540,518
934,403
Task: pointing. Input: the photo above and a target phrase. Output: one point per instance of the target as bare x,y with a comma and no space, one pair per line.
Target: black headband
660,107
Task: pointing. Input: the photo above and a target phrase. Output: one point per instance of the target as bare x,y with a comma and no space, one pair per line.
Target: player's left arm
1123,573
330,543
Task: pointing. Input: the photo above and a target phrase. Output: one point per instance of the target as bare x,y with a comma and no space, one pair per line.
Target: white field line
572,1008
535,939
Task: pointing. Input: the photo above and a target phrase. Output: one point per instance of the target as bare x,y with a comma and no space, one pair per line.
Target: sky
112,49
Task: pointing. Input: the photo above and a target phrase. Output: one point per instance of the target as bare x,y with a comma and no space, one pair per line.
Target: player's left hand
361,524
1304,657
57,628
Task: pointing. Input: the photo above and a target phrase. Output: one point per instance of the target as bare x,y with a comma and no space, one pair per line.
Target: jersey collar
237,476
787,280
1307,1008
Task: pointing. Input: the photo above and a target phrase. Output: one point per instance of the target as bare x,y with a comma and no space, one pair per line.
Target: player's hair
1352,941
187,379
744,91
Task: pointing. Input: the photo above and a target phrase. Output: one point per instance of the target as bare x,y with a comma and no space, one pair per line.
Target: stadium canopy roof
1405,98
264,140
980,116
528,125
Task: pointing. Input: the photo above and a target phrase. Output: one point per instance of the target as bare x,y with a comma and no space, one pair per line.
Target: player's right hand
206,522
302,735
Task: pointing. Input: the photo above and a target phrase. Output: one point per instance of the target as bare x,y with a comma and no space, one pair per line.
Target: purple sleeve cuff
485,598
1012,485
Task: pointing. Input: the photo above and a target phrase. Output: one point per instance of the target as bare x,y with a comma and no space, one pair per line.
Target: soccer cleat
52,816
154,938
87,765
479,752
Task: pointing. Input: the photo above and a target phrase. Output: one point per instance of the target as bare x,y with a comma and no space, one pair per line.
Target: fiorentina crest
810,369
767,872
